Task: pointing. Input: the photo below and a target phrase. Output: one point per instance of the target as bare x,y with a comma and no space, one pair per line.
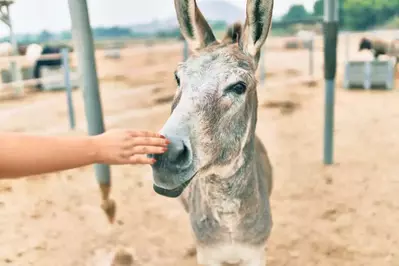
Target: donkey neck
223,189
241,174
240,183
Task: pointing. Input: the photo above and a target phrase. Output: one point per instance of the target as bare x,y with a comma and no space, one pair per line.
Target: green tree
318,8
361,15
296,12
66,35
45,36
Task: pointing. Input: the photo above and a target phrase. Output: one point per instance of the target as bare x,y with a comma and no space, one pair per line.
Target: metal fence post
15,72
84,45
330,66
68,87
311,57
347,46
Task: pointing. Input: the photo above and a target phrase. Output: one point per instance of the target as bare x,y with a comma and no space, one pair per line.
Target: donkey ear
193,25
257,26
233,33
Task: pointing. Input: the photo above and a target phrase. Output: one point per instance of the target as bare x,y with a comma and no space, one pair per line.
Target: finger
149,141
141,160
147,150
151,134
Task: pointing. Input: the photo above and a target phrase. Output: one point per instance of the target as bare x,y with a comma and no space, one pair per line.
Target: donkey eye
177,79
237,88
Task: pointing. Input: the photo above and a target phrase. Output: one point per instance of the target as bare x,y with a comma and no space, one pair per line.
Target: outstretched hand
124,146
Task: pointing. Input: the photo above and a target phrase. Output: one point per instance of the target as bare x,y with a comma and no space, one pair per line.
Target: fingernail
167,141
162,136
153,161
164,149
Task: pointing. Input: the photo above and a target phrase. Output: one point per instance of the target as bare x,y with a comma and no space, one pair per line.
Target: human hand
124,146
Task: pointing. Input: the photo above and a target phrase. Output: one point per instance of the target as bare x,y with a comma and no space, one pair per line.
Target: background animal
5,49
380,47
215,162
33,54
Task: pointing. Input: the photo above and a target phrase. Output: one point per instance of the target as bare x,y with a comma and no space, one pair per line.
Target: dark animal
46,62
22,49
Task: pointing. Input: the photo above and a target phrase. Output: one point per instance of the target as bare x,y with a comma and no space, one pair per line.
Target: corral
346,214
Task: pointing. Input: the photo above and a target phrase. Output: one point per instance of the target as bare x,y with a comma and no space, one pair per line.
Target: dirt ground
346,214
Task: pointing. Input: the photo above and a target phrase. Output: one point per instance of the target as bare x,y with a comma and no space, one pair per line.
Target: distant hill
221,10
213,10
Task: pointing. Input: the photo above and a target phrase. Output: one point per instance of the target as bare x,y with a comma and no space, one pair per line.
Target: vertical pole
15,73
347,47
262,70
185,50
390,74
367,75
311,57
330,65
84,45
68,87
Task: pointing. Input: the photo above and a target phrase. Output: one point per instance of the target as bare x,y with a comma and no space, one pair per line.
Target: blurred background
345,214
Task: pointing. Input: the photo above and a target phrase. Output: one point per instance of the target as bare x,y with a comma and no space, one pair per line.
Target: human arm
24,154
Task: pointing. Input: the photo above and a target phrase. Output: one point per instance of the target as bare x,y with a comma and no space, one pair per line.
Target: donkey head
365,44
214,111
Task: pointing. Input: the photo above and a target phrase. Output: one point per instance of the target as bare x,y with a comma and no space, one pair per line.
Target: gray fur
215,156
248,187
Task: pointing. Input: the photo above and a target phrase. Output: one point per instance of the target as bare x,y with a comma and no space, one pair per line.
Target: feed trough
376,74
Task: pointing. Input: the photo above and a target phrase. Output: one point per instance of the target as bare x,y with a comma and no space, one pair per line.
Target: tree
66,35
296,12
361,15
45,36
318,8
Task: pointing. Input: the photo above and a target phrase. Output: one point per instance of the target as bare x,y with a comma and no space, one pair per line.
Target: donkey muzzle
174,169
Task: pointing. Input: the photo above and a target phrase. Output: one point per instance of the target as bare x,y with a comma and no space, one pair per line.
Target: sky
33,16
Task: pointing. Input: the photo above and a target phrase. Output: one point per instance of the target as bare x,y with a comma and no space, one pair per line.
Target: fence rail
126,52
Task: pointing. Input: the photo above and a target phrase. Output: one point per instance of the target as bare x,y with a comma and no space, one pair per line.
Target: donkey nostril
183,154
177,151
177,156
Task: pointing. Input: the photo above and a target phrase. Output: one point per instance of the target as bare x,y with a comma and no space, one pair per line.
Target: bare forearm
23,155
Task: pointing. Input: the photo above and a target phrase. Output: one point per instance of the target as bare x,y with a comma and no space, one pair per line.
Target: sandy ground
346,214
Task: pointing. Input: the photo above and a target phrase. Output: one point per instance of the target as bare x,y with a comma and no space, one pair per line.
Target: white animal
5,49
33,52
305,35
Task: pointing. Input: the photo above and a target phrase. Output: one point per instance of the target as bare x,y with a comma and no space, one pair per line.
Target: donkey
215,163
380,47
